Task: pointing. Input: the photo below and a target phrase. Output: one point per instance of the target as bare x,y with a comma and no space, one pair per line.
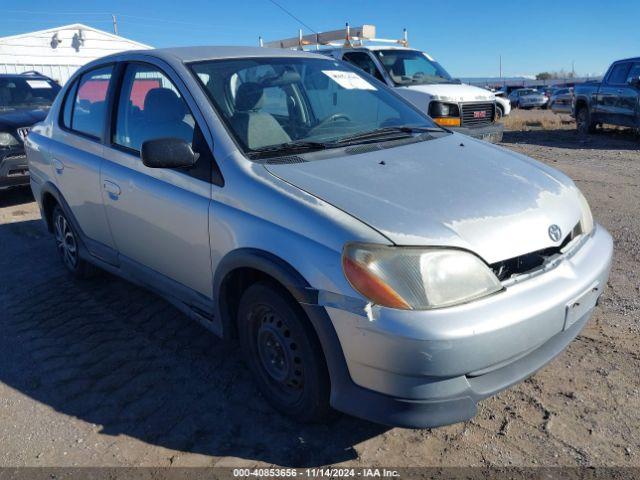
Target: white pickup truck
413,74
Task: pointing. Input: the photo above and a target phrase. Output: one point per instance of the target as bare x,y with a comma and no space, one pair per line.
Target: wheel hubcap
66,242
279,353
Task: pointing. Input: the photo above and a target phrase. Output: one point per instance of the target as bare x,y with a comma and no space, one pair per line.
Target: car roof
200,53
369,47
22,75
632,59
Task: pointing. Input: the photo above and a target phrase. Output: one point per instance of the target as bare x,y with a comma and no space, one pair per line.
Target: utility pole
115,24
573,69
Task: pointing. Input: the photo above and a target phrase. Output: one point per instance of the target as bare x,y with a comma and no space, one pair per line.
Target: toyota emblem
555,233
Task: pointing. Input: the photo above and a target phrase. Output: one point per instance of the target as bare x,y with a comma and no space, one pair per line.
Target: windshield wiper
287,147
384,132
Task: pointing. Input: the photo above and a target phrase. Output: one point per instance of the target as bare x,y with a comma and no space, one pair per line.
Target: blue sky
465,36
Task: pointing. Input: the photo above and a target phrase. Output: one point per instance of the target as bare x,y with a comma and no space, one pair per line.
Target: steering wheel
334,118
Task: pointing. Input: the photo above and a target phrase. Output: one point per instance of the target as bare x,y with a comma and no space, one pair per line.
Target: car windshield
411,67
304,103
21,92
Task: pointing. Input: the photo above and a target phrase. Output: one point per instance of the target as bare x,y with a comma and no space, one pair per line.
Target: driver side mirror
168,153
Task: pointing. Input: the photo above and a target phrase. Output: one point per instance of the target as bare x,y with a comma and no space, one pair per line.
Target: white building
58,52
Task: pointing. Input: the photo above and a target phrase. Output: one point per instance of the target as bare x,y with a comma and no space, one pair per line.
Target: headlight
411,278
586,220
439,109
8,140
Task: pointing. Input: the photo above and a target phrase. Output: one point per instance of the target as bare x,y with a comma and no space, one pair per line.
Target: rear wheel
583,122
283,353
68,245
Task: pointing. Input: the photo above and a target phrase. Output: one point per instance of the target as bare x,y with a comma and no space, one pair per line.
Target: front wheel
283,353
499,113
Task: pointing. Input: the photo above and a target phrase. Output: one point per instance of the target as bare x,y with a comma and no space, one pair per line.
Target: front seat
162,117
254,127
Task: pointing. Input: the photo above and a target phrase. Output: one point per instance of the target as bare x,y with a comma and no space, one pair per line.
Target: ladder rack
345,37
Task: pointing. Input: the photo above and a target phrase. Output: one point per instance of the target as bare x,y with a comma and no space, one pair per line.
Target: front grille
474,114
531,261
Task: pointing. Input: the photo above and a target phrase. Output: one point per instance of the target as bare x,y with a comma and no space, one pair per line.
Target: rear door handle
111,188
57,165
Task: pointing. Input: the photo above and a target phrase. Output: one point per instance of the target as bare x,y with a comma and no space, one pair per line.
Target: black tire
499,113
283,353
68,245
583,121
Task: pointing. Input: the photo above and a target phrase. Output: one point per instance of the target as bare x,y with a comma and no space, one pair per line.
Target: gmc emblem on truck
480,114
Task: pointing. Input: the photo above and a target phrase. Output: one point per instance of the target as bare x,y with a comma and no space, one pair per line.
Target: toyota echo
367,260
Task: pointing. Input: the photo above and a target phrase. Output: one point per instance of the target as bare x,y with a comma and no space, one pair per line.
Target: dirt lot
104,373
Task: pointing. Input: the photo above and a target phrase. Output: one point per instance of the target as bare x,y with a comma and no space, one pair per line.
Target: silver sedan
366,259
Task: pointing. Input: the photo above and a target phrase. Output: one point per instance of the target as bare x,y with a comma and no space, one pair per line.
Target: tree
544,76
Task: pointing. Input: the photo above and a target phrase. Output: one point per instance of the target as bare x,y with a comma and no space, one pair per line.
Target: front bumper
490,133
429,368
14,169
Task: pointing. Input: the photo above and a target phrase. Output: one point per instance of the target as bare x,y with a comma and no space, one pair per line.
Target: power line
292,16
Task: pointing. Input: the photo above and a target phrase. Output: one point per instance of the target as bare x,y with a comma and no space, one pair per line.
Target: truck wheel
283,353
584,123
499,113
68,246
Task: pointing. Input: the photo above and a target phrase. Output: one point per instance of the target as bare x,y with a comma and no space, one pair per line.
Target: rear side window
85,107
618,75
150,107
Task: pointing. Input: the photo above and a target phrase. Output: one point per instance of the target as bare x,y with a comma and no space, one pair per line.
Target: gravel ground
102,373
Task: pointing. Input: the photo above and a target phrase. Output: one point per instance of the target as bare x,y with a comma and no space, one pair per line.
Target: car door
630,97
76,157
609,107
158,216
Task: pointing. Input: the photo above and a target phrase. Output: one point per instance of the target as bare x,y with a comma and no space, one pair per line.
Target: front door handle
57,165
112,188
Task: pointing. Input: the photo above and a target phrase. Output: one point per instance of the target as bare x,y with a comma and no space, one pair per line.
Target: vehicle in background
613,101
546,91
24,100
413,74
561,100
366,258
503,105
527,98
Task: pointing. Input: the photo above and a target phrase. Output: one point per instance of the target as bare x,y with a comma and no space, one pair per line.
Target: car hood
22,117
452,92
450,191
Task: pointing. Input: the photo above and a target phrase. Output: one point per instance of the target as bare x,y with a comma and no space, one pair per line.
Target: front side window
27,92
411,67
85,106
150,107
634,72
272,101
618,75
363,61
